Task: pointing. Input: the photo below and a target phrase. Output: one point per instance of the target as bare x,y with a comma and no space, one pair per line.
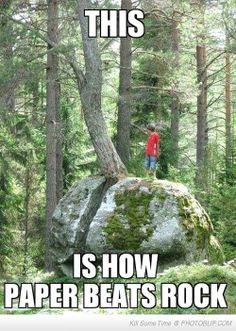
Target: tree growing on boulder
90,85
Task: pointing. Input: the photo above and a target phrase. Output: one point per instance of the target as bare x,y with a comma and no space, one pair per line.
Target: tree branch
54,47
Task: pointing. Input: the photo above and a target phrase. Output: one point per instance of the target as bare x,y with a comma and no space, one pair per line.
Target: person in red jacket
152,150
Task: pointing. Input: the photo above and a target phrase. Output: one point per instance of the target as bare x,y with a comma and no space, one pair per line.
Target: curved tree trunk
90,86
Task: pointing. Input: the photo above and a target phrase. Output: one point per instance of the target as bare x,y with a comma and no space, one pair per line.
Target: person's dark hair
151,127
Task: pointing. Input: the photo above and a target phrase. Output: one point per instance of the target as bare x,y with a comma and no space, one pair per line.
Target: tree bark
175,105
202,127
35,104
59,149
202,123
124,104
51,135
228,134
26,217
90,85
7,110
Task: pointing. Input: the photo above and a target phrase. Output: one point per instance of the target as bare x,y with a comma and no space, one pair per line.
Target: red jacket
152,147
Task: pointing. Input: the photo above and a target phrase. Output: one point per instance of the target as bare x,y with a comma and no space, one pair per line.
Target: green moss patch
196,226
130,223
216,254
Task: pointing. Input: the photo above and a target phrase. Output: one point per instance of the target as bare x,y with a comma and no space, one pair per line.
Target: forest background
179,75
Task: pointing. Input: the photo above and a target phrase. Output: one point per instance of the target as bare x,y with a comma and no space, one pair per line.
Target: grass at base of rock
196,273
193,274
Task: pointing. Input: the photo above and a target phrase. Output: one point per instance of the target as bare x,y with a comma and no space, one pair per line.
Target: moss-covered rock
133,215
153,217
130,223
215,251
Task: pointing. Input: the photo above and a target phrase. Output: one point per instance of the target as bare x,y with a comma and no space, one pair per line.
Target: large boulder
133,215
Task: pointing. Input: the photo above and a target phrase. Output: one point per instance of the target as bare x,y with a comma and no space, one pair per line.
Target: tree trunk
7,111
51,144
7,96
90,93
124,104
228,140
175,105
26,220
202,127
35,105
202,124
59,156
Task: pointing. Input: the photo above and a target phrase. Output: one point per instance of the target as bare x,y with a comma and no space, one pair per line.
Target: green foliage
223,212
196,273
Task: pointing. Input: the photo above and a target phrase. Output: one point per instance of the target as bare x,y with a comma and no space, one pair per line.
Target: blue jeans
150,162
